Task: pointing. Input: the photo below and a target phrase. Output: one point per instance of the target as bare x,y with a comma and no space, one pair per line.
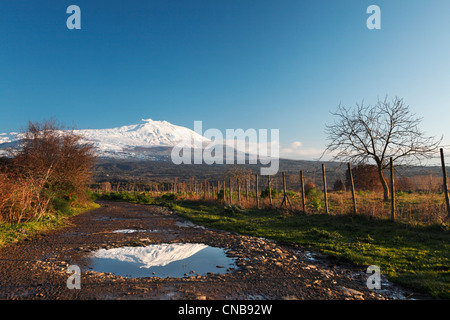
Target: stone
350,292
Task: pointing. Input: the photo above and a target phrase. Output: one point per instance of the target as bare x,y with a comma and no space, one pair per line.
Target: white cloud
297,151
296,144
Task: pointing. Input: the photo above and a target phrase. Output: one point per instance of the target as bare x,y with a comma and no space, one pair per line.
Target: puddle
188,224
107,218
164,260
309,256
134,231
125,231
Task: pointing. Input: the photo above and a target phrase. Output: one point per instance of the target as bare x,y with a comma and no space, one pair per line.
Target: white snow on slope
147,133
124,141
10,137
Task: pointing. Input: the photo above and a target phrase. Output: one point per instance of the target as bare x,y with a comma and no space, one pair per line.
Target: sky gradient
232,64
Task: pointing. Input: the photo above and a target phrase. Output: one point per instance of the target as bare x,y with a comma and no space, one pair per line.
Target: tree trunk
383,181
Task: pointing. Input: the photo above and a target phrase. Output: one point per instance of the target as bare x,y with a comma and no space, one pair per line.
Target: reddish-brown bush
365,177
60,155
22,198
50,164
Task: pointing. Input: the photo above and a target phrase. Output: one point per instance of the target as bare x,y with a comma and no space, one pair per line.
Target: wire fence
420,199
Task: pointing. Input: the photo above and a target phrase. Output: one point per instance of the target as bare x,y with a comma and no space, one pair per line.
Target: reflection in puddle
164,260
134,231
309,256
188,224
125,231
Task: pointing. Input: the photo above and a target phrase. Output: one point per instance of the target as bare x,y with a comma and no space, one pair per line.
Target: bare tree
238,172
377,133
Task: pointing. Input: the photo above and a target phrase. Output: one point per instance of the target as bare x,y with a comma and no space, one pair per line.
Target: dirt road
37,269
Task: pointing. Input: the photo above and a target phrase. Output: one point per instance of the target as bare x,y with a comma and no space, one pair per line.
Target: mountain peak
131,139
149,121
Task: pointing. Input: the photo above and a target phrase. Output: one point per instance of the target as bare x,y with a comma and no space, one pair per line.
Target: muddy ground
37,268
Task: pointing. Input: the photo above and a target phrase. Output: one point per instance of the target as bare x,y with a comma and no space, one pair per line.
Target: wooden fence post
239,190
224,196
205,190
257,196
270,191
209,190
392,191
325,188
231,197
285,197
246,190
218,189
444,174
352,186
302,189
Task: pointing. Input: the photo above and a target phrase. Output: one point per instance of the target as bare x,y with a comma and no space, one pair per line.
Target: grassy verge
417,257
14,232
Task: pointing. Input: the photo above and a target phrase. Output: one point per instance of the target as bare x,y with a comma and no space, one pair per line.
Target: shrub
308,186
365,177
169,197
291,194
315,197
61,206
21,199
49,151
233,209
313,193
338,185
265,193
49,171
316,203
143,198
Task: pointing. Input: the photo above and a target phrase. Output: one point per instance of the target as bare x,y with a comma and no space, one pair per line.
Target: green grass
415,256
14,232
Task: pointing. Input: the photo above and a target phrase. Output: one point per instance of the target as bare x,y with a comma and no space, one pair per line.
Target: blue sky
230,63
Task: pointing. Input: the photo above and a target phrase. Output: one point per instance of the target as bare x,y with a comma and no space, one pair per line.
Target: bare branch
377,133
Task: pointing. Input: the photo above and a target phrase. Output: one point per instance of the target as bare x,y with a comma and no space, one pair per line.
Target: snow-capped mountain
147,139
139,140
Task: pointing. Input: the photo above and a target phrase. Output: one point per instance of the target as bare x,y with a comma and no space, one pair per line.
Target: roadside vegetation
416,256
44,181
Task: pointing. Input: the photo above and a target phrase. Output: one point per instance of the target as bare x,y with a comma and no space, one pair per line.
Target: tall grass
21,198
415,208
